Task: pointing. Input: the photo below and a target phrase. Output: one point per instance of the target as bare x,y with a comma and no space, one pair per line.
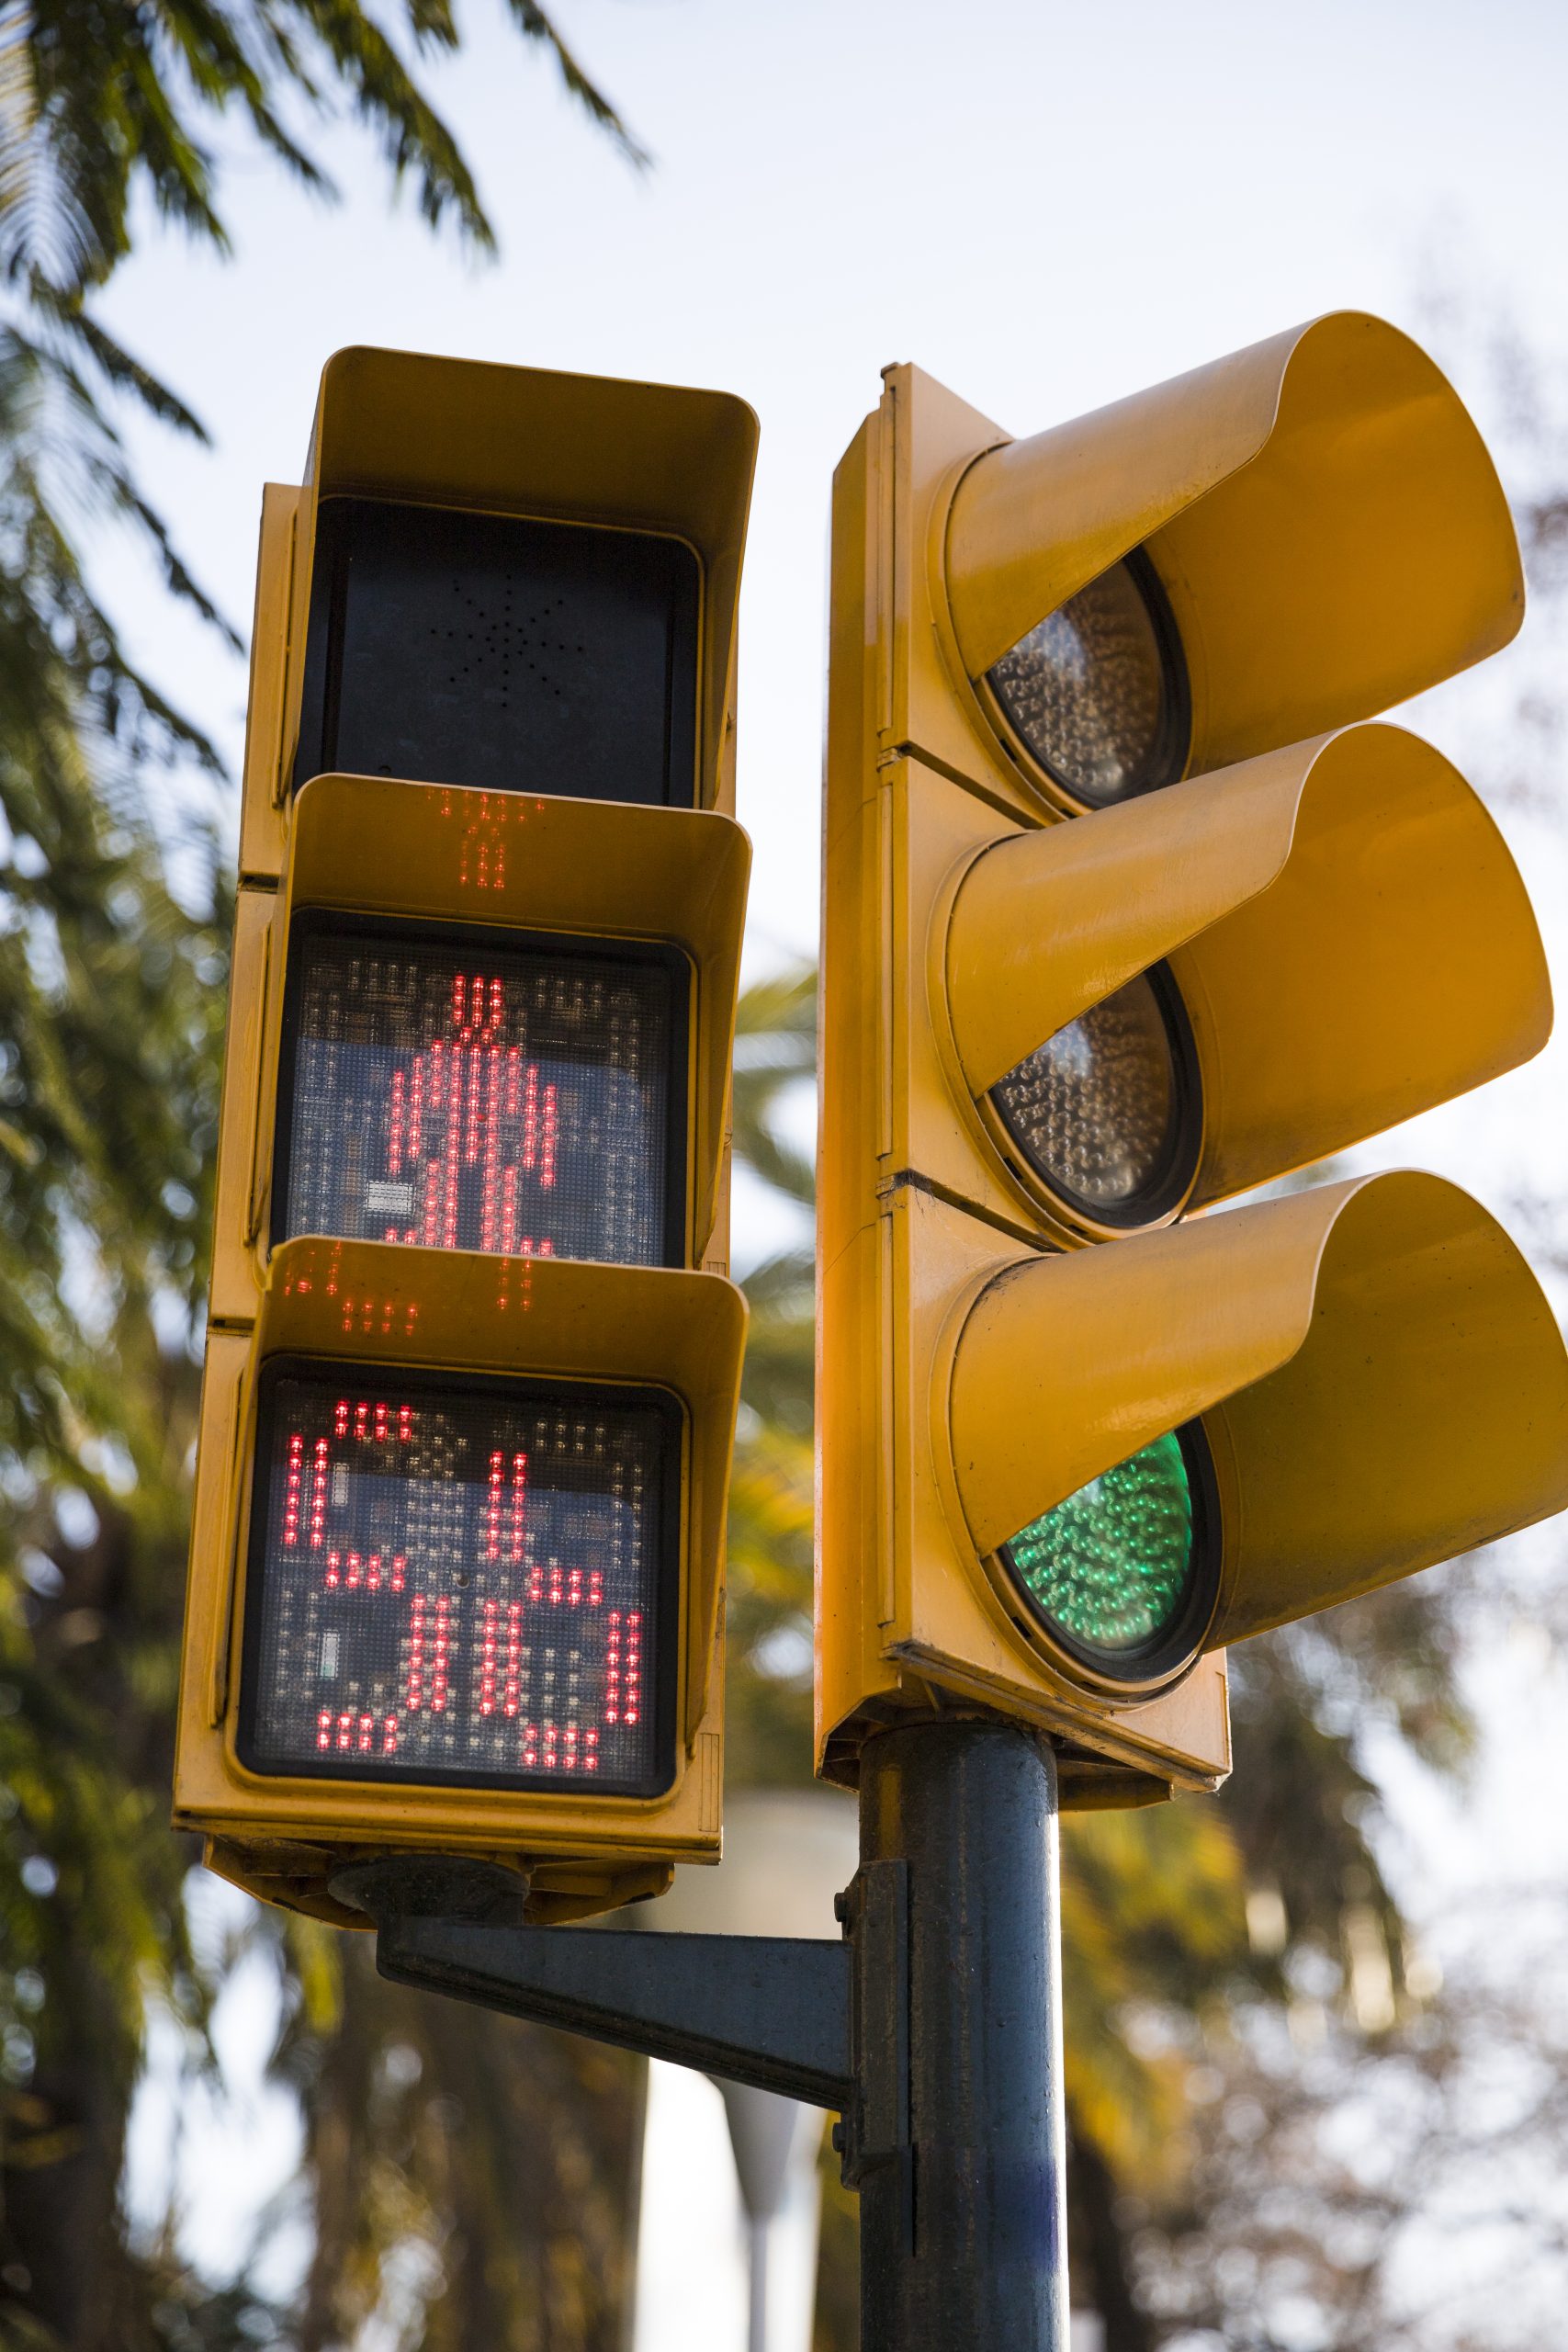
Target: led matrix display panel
486,649
461,1582
465,1092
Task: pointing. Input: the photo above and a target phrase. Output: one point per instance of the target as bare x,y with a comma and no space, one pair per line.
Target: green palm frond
103,104
775,1051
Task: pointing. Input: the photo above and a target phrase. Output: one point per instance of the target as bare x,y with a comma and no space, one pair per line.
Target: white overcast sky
1046,206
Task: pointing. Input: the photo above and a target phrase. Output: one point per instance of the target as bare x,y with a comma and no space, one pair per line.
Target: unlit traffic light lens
1115,1569
1105,1113
455,1582
1096,690
470,1093
492,650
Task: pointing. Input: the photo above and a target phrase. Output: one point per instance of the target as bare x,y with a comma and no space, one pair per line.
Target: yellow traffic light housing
473,1364
1317,533
359,1524
481,497
1070,1446
572,879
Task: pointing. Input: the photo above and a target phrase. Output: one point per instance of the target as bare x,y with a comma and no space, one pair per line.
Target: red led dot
531,1117
395,1134
519,1502
548,1147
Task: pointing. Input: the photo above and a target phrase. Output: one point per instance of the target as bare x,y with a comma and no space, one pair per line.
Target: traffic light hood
463,433
1378,1373
372,846
1348,931
1319,508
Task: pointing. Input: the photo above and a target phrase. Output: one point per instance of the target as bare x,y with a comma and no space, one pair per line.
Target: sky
1045,207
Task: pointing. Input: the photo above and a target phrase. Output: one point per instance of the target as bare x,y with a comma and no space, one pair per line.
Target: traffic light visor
575,1023
1325,526
1377,1377
489,554
384,1329
1341,924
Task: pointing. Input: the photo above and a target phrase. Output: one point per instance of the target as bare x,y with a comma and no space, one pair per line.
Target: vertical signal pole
964,2217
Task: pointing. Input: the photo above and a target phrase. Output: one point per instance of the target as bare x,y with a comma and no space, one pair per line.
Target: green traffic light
1111,1567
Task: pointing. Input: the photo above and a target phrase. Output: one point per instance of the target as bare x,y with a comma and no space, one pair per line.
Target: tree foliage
115,912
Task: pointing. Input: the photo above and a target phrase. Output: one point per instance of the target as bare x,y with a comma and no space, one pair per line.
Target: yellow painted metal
1319,507
590,450
1381,1377
459,1310
598,455
1349,930
263,823
908,1621
374,846
1353,942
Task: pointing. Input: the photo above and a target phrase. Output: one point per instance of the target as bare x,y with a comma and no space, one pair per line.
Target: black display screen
482,1090
516,656
461,1581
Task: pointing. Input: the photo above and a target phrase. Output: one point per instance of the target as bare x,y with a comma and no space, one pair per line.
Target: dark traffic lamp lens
1123,1571
1096,692
492,651
1107,1112
465,1092
463,1582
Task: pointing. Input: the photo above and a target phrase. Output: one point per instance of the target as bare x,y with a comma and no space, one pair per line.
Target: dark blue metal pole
960,2169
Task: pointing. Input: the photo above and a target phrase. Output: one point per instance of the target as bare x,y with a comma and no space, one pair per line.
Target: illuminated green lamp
1122,1573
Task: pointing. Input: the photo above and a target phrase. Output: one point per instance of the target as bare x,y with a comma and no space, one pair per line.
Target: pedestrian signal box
1130,906
473,1366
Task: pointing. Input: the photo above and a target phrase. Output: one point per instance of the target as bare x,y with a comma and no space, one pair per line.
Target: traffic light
1130,906
473,1361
